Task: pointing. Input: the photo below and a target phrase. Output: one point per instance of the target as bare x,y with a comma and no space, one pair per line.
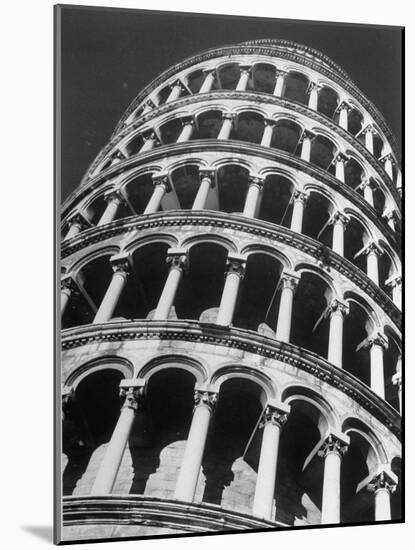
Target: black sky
109,55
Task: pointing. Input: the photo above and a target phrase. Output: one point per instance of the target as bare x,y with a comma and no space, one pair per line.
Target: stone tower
231,305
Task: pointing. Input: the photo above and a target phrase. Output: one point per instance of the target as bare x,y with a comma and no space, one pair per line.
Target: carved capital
277,415
397,379
334,444
236,265
162,179
339,217
68,285
255,180
394,281
207,173
368,182
280,72
300,196
177,257
68,396
307,134
289,280
78,219
245,69
114,195
383,481
373,248
208,72
368,129
377,339
390,215
343,106
338,307
187,121
132,391
270,122
313,86
177,83
228,116
387,157
205,398
341,158
120,263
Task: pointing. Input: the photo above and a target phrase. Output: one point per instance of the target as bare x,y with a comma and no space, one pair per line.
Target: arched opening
356,327
385,269
195,80
275,202
95,209
139,191
158,440
249,127
257,304
328,100
228,76
92,280
264,78
163,95
377,146
397,495
232,187
316,215
133,146
379,200
353,173
170,131
88,427
200,294
208,125
355,238
230,474
322,152
295,88
355,121
309,327
286,136
186,183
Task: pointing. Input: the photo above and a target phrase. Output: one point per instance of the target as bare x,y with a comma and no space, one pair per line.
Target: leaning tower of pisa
231,305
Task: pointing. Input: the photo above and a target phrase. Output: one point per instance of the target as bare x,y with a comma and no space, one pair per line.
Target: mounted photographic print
229,204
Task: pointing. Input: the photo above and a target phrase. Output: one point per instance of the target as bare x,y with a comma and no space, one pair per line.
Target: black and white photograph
229,274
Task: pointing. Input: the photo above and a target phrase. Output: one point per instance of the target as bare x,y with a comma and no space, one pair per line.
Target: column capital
374,248
77,218
280,72
149,135
208,173
118,155
114,195
207,72
343,105
229,116
245,68
307,134
313,86
367,182
187,120
67,395
383,480
377,339
339,217
162,179
270,122
341,157
394,281
390,215
132,390
338,306
387,157
336,443
205,397
300,196
120,263
369,128
275,414
68,283
236,264
289,279
178,257
256,180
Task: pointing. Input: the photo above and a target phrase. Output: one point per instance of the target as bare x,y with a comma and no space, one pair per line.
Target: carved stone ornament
332,444
132,397
206,398
382,481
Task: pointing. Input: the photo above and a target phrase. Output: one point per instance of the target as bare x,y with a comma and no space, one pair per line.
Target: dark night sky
109,55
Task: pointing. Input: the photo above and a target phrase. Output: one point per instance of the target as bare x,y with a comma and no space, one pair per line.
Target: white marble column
299,200
178,260
132,390
339,222
388,162
305,140
373,252
188,126
369,132
245,73
255,186
207,181
337,312
176,90
288,283
161,186
120,266
343,109
77,223
382,485
340,161
313,91
235,272
205,401
397,381
376,344
279,82
68,288
274,417
368,186
207,84
150,141
227,126
268,131
332,451
114,200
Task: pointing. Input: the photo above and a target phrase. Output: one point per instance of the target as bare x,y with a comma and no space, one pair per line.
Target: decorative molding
241,339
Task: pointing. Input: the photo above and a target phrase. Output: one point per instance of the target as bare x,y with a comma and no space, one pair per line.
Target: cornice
241,339
249,96
250,149
259,228
189,517
330,70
